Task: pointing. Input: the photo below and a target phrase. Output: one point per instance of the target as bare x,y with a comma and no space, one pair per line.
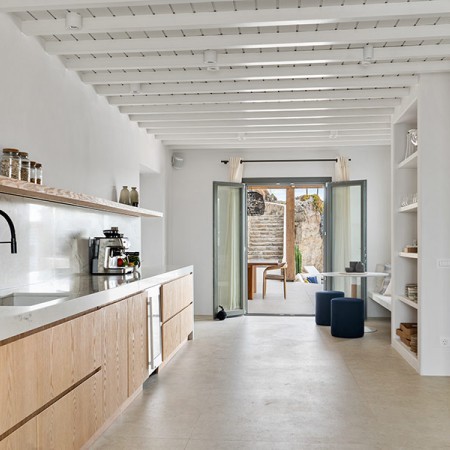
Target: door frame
286,182
328,214
243,212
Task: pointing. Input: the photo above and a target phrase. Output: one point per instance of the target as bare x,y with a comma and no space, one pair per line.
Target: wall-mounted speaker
177,161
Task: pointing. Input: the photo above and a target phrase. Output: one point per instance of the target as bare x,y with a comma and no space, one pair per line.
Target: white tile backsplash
53,239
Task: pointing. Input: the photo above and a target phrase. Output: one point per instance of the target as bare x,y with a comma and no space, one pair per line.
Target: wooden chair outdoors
279,277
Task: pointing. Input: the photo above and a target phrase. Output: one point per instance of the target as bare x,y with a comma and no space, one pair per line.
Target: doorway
285,224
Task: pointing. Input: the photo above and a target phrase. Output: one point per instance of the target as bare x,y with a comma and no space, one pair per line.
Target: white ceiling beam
271,136
257,59
274,138
277,139
192,126
268,73
236,146
269,131
361,114
249,18
239,41
258,97
250,107
40,5
261,86
383,127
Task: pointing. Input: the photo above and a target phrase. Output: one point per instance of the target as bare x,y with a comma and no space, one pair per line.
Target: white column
434,222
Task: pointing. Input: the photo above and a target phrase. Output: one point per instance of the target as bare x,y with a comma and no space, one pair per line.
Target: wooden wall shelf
55,195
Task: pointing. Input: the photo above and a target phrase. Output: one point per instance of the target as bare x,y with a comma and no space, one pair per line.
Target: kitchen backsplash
52,239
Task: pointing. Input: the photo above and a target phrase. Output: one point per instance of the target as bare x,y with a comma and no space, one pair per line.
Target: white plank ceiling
288,73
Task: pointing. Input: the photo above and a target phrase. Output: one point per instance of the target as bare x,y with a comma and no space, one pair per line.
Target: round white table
354,276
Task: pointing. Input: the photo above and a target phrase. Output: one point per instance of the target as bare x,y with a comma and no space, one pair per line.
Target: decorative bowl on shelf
349,269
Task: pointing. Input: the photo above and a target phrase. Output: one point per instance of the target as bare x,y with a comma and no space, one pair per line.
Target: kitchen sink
33,299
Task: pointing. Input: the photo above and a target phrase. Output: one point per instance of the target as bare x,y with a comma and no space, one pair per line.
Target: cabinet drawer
171,336
186,322
38,368
72,420
175,296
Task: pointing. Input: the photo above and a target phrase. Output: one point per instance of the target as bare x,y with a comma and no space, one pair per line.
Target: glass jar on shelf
24,166
10,166
38,172
5,164
32,171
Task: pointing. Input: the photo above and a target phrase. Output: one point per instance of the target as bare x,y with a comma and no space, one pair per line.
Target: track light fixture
74,21
210,59
367,55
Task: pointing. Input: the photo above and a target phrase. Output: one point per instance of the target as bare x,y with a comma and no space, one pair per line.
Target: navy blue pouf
323,306
347,317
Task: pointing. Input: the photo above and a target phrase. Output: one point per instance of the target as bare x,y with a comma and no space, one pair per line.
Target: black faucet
13,240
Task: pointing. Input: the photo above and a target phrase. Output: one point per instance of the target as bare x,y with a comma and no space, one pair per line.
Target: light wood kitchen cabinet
74,353
23,438
63,384
175,296
41,366
73,419
138,369
176,314
115,351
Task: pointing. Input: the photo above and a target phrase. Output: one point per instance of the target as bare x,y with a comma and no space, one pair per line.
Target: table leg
250,281
254,276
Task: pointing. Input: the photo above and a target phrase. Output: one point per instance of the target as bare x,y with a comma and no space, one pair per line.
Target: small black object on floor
221,315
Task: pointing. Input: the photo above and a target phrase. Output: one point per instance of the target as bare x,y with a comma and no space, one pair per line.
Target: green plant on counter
298,260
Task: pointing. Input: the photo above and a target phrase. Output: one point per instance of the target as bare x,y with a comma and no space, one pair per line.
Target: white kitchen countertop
85,291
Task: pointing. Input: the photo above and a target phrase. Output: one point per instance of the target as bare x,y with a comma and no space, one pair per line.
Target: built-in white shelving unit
421,180
404,225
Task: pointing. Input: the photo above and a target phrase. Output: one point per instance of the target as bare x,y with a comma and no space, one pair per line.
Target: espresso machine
107,255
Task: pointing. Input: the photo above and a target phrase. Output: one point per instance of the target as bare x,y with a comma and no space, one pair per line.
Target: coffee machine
107,255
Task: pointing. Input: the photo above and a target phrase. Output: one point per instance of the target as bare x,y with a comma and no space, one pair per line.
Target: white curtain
342,172
235,169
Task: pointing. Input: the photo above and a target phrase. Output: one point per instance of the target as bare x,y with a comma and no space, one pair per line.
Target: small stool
323,306
347,317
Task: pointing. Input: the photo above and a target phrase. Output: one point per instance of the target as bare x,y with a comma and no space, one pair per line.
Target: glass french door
346,234
230,247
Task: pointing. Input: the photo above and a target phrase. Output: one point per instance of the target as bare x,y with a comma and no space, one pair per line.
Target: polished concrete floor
282,383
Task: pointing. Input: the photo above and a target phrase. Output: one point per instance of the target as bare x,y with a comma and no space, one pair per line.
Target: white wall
84,144
190,192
